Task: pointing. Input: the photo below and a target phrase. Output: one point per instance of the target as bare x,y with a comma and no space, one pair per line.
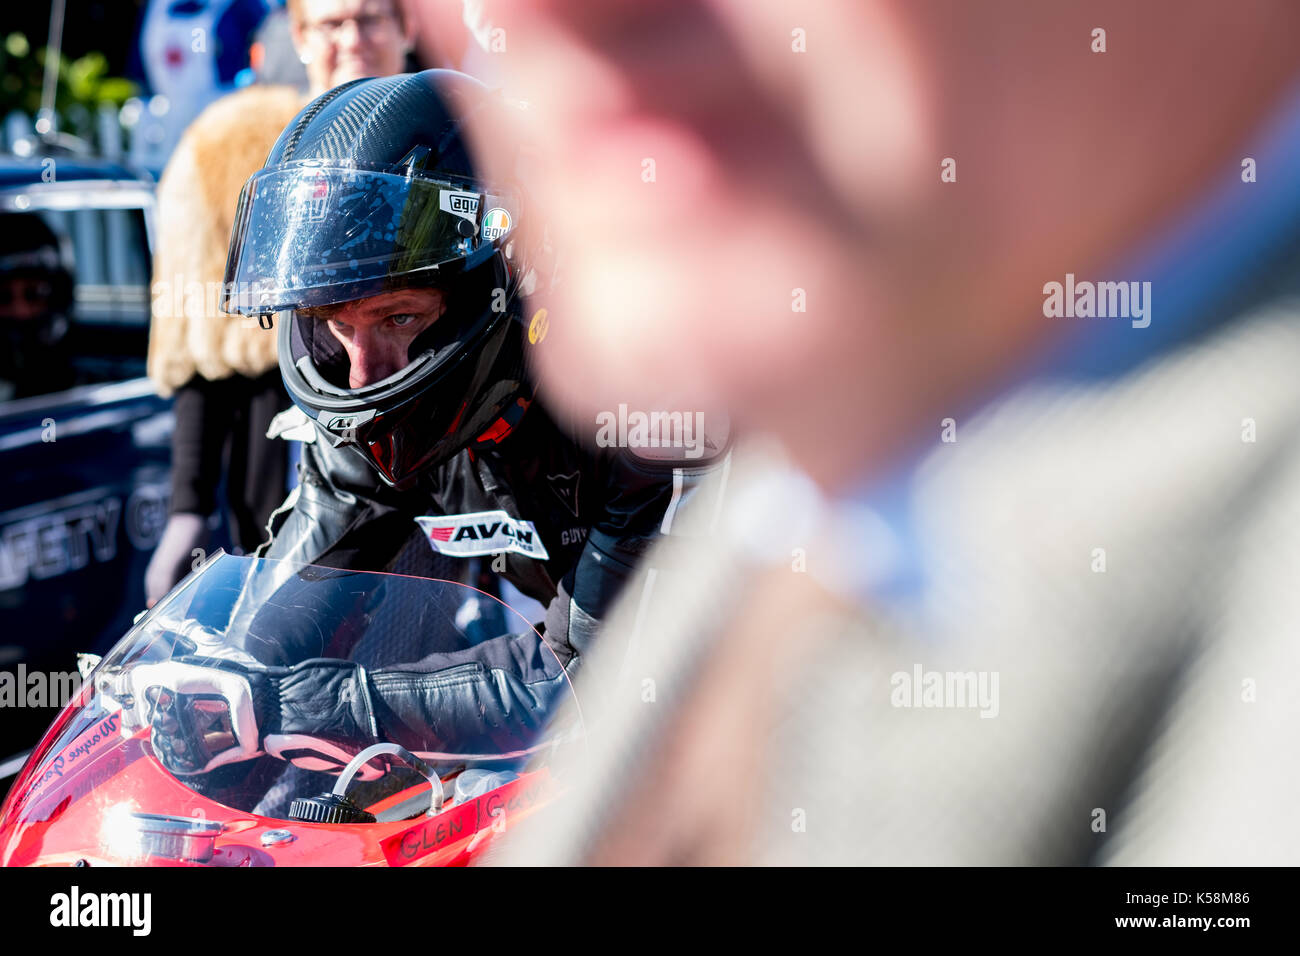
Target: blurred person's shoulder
988,723
1114,557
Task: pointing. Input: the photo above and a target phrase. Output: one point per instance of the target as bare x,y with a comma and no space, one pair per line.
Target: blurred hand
174,557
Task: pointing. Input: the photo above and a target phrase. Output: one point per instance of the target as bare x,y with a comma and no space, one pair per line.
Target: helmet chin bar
346,424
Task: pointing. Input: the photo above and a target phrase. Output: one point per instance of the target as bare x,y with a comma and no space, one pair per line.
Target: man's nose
371,359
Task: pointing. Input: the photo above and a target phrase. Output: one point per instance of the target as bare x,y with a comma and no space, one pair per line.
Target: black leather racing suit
596,512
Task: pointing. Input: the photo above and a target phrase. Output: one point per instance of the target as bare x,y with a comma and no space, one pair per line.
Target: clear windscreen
181,713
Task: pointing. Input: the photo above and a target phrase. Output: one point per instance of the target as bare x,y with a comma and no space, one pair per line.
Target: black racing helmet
371,189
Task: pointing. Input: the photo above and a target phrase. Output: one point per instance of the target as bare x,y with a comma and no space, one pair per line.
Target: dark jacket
595,512
225,422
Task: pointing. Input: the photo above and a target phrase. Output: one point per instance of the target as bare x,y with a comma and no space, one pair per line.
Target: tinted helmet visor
314,232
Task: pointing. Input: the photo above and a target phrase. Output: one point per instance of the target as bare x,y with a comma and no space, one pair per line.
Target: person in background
222,368
343,40
271,57
35,300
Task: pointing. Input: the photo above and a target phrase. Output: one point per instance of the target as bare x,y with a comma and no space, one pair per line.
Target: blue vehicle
84,470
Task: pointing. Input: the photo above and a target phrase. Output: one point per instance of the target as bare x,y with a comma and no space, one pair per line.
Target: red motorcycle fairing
96,791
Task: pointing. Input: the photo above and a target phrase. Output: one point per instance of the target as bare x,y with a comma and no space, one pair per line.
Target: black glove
205,712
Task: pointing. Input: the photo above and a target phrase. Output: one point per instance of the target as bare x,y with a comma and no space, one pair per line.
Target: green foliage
83,84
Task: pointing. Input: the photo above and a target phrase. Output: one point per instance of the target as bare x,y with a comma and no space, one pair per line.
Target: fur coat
197,197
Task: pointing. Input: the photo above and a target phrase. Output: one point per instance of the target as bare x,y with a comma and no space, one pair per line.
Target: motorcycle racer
404,279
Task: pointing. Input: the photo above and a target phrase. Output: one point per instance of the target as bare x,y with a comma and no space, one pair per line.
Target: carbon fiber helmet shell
372,189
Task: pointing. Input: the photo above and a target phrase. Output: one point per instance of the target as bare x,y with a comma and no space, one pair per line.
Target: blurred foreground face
749,201
344,40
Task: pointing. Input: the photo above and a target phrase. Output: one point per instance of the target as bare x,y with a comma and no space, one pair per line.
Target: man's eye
341,327
401,320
